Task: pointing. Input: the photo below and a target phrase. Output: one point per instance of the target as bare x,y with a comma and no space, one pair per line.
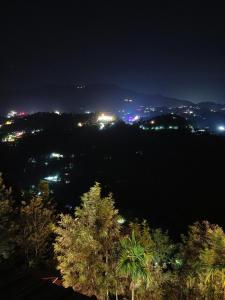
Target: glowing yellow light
9,122
105,118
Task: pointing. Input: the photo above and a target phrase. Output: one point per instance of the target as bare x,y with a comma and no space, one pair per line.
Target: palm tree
133,262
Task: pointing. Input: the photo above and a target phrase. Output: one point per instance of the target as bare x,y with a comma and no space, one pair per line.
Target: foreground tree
158,246
203,262
36,217
133,263
86,245
7,222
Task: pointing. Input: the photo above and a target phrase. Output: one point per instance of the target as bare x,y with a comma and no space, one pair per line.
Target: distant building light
11,114
36,131
54,178
12,137
9,122
136,118
105,118
81,86
56,155
22,114
221,128
101,126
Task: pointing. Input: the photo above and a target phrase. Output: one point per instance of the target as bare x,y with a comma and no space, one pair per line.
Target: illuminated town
112,150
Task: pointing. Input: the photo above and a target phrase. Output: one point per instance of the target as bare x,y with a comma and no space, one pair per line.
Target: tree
158,246
36,217
86,245
133,262
203,257
7,222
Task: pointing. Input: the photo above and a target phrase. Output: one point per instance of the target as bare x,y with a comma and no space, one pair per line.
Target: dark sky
175,48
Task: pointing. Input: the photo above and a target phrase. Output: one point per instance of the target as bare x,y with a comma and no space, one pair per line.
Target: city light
9,122
36,131
101,126
54,178
12,137
11,114
56,155
136,118
57,112
105,118
221,128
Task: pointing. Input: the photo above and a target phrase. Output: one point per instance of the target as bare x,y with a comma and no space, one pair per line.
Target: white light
79,124
136,118
221,128
121,220
36,131
57,112
54,178
56,155
11,114
105,118
101,126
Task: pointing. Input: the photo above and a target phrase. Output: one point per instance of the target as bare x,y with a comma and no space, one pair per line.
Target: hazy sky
176,48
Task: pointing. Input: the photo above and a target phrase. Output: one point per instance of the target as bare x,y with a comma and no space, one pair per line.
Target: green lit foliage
133,263
36,217
7,224
203,255
157,245
86,245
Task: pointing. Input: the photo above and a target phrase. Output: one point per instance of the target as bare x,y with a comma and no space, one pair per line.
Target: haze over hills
81,97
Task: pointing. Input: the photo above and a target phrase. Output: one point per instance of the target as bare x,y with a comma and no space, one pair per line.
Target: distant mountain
94,97
210,105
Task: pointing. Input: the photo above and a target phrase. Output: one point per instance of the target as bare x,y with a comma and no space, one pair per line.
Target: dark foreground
22,285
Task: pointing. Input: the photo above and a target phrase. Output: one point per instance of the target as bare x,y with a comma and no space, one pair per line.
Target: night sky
173,48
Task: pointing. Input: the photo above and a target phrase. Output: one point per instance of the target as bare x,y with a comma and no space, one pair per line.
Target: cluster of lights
34,131
11,114
12,137
105,118
190,112
162,127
